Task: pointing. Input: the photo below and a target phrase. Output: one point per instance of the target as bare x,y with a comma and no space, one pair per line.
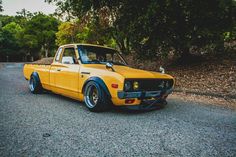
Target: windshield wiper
118,63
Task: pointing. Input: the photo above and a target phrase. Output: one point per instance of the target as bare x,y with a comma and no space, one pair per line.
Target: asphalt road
52,125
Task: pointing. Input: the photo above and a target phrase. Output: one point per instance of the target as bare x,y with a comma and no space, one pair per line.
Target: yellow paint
69,81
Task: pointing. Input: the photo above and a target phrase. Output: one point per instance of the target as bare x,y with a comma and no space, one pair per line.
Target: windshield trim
115,51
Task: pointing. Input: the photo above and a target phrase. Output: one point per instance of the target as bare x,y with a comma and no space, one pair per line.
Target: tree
181,25
100,19
1,8
10,40
66,33
5,19
152,27
80,32
42,28
27,34
24,13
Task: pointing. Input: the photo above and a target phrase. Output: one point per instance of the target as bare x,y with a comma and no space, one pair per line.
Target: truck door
66,73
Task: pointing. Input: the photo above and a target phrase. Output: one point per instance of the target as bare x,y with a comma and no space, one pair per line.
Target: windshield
99,55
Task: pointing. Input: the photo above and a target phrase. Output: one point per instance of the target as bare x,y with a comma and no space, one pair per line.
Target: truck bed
42,66
44,61
41,69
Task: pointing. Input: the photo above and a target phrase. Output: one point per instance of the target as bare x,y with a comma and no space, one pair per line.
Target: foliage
1,8
66,33
231,34
25,14
10,39
27,34
149,28
153,27
42,28
79,32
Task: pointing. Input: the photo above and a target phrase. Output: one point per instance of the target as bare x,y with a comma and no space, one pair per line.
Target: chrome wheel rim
91,97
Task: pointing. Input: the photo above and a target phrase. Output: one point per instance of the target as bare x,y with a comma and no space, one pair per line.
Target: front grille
151,84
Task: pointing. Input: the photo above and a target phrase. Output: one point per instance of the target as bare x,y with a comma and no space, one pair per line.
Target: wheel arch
100,82
36,75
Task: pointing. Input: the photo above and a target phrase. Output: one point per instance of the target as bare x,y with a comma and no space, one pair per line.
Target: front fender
100,82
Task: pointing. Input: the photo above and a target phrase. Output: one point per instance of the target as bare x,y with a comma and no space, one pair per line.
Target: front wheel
96,100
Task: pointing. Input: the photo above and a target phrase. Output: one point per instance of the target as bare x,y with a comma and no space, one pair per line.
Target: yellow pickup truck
100,77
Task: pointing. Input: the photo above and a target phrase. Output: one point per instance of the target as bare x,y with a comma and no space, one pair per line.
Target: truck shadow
112,109
123,110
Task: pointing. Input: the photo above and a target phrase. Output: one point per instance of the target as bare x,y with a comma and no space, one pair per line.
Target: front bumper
144,94
149,100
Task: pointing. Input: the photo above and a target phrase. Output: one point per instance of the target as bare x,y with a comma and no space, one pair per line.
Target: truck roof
85,44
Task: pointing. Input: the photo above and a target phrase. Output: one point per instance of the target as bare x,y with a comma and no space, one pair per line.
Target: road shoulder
207,100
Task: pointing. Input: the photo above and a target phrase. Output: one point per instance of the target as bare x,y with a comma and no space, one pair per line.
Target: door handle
85,72
58,69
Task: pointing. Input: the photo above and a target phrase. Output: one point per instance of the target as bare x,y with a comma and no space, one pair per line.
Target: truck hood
128,72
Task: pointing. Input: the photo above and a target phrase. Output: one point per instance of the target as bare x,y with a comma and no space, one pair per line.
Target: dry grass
215,78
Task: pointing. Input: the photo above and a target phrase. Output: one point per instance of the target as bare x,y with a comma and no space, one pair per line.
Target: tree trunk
46,53
45,49
123,45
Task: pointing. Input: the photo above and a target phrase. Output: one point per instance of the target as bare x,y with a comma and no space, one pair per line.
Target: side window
58,54
69,56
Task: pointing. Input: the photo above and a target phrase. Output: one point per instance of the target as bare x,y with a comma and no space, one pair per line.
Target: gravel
52,125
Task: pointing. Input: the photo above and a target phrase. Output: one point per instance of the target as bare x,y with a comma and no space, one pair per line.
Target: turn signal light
114,85
129,101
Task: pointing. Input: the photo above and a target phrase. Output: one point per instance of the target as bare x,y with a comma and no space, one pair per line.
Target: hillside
212,77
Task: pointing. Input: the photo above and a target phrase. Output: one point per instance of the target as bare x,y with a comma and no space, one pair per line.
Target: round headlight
127,85
135,85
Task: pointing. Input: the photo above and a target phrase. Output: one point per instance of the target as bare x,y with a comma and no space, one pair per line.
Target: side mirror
162,70
109,66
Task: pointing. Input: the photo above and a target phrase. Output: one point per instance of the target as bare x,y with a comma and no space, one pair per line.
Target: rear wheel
96,100
35,85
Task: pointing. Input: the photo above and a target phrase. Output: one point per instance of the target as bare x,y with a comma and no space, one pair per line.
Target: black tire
35,85
95,98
